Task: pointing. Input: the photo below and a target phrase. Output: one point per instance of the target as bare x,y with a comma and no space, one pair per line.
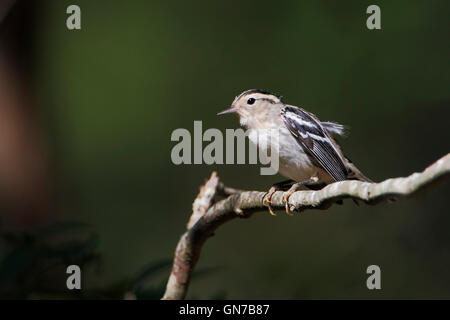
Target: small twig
227,191
244,203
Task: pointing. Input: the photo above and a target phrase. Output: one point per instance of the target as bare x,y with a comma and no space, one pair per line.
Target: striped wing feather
309,133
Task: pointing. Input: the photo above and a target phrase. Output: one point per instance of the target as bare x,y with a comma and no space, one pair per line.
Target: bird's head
254,107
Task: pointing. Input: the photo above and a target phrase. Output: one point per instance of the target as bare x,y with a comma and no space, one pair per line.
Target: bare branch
244,203
204,199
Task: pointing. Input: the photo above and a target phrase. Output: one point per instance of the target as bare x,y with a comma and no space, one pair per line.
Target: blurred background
86,118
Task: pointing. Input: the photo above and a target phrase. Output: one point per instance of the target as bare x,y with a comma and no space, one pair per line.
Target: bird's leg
276,187
294,188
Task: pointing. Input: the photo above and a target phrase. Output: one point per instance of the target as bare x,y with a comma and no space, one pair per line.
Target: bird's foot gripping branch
209,211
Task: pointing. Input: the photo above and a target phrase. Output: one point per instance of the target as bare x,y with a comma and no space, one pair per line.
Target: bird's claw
289,209
267,202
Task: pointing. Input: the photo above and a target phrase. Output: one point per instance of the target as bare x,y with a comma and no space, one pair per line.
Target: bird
309,155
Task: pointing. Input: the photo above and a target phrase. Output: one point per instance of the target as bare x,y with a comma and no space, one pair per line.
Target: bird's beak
229,110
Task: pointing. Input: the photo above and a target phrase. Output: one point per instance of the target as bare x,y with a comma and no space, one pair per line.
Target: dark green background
113,92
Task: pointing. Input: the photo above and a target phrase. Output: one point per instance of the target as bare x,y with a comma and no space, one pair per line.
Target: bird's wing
310,134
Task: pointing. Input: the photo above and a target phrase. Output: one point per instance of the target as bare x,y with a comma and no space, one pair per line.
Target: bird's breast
294,163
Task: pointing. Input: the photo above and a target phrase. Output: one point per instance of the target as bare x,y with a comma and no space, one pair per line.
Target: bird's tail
354,173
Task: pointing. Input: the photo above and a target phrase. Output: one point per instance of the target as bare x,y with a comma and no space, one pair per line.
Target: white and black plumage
308,154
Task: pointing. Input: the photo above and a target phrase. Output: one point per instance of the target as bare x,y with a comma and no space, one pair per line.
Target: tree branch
207,216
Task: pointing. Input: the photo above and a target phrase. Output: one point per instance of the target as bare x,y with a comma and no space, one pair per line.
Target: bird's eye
251,101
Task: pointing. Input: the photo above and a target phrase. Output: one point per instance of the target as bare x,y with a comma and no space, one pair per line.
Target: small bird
308,154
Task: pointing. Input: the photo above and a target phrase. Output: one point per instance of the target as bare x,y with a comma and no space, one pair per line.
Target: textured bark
207,216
